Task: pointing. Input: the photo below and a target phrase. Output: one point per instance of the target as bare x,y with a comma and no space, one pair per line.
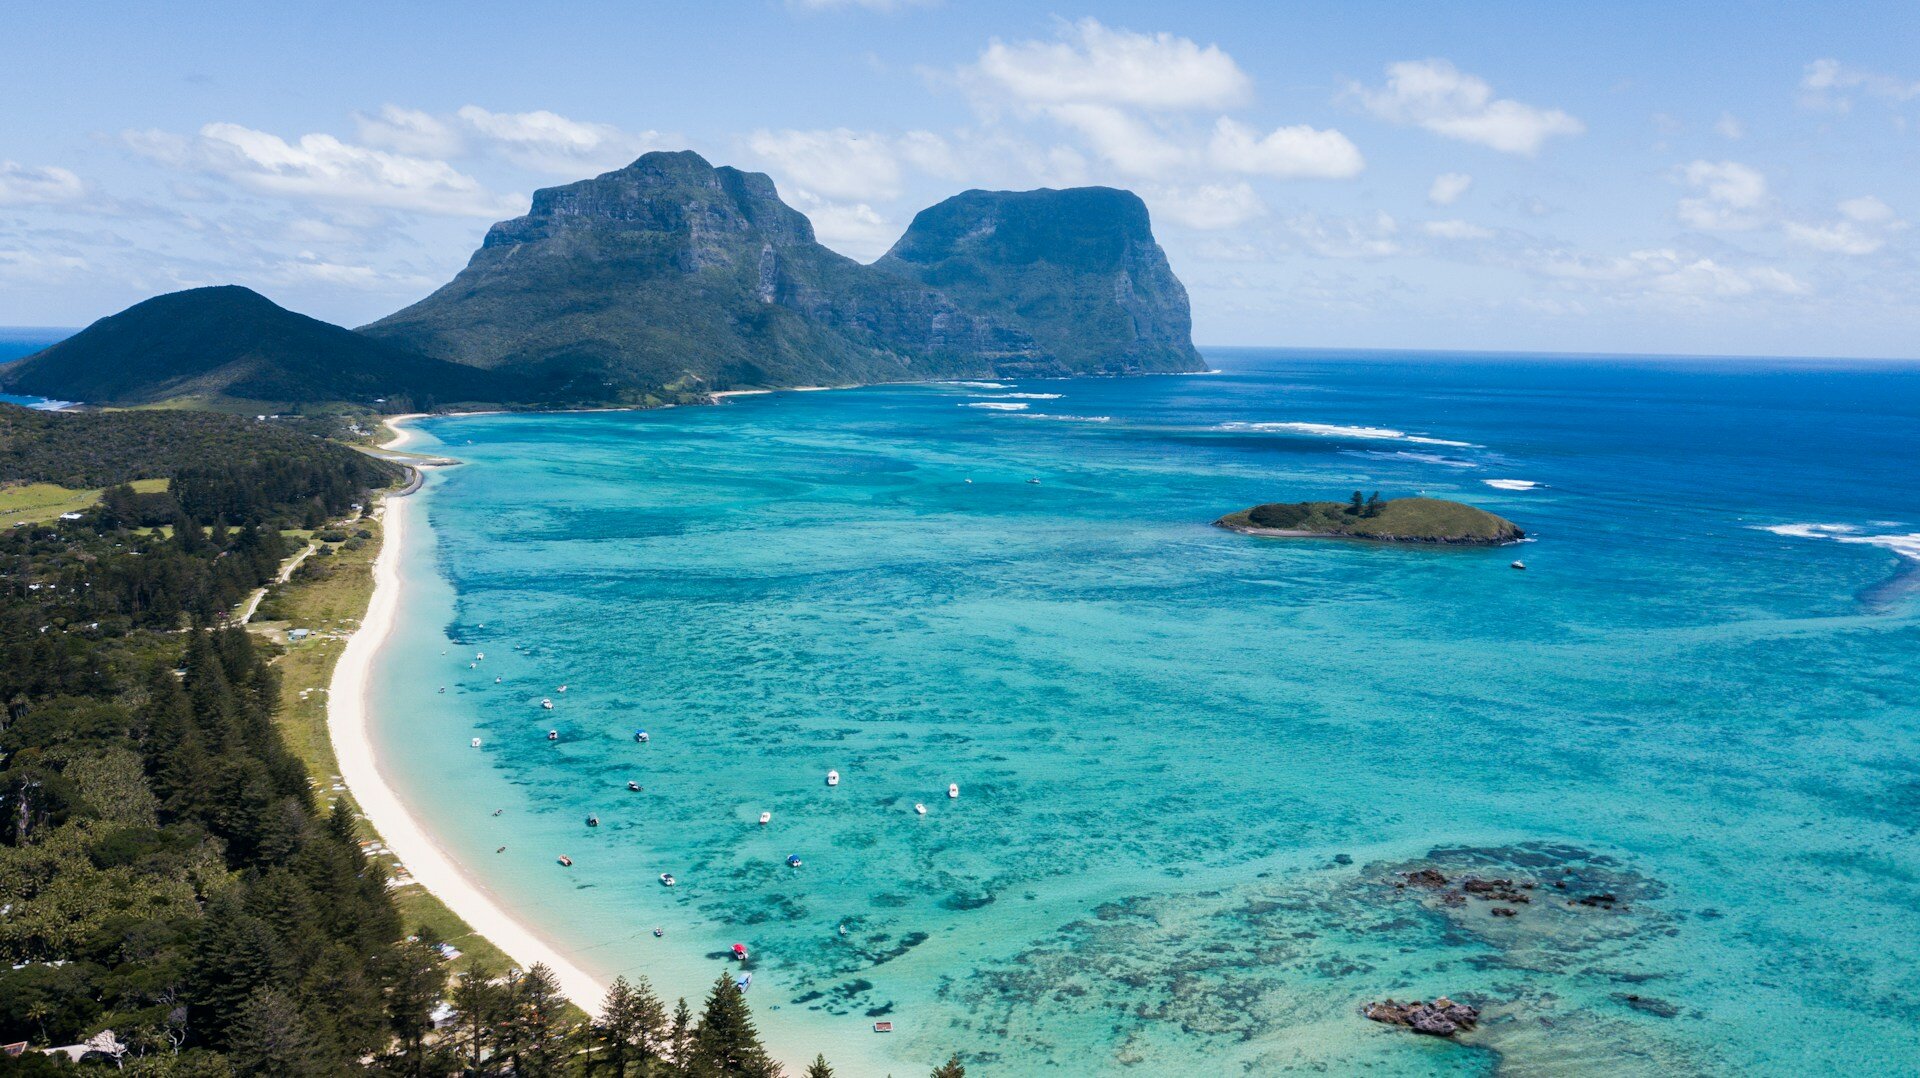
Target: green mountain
673,276
1077,270
231,347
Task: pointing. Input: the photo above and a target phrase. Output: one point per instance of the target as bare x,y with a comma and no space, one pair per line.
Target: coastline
349,711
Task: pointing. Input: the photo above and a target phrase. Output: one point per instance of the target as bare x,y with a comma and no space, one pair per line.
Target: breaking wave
1336,430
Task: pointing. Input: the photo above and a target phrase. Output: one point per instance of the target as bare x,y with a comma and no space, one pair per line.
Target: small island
1398,520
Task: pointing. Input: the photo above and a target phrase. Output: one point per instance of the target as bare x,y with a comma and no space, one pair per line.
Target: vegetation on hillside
231,348
1407,520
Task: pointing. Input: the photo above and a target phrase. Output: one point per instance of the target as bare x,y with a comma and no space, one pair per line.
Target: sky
1713,179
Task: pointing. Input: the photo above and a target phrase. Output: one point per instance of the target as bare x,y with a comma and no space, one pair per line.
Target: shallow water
1193,763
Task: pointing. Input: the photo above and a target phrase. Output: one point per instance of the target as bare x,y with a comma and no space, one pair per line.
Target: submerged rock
1441,1018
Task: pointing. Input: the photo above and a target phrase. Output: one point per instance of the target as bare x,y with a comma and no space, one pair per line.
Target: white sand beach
348,713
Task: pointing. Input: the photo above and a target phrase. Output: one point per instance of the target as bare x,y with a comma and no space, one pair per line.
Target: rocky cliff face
1077,270
672,273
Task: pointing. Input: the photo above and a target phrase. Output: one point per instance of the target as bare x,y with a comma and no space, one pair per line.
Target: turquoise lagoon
1194,764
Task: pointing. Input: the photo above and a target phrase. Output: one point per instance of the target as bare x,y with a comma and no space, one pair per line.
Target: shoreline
349,709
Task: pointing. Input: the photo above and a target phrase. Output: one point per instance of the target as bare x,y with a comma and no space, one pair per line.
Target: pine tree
631,1029
1373,504
727,1042
680,1038
478,1002
1355,506
271,1038
951,1068
818,1068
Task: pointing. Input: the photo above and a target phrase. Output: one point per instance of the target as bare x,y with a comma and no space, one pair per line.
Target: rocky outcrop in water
1441,1018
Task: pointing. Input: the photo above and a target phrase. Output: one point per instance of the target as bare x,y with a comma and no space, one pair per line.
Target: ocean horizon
1196,768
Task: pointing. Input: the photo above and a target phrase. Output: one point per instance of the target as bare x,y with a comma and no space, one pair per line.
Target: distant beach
348,714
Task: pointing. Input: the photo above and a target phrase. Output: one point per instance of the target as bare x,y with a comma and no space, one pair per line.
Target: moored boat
565,861
833,778
666,879
953,789
766,818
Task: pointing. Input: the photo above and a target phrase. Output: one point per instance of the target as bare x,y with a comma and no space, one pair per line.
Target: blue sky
1733,179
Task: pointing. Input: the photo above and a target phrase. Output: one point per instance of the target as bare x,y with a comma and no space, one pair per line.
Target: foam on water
998,406
1511,484
1336,430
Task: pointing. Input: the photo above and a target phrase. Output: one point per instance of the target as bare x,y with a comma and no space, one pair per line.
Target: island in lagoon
1395,520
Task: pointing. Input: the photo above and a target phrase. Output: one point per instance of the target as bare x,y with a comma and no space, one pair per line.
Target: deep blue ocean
1195,766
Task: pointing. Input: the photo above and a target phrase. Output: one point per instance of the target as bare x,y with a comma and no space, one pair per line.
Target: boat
553,735
641,736
481,655
500,849
883,1027
793,860
766,818
657,933
476,742
593,821
743,982
632,785
740,951
833,778
1035,482
497,812
953,789
548,704
443,688
565,861
666,879
921,809
473,666
563,688
1518,565
496,681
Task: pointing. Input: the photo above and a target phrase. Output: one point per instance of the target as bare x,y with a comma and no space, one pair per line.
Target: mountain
229,346
1077,270
673,276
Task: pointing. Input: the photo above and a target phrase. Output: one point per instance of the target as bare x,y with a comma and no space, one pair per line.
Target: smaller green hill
1398,520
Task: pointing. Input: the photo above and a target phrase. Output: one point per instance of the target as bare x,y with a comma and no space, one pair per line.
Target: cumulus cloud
409,131
1730,196
1447,188
1865,225
1436,96
1123,139
1287,153
1830,84
322,168
1208,206
549,142
854,229
1092,63
839,163
22,185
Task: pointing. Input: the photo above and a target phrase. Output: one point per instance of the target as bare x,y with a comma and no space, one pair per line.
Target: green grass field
330,604
31,503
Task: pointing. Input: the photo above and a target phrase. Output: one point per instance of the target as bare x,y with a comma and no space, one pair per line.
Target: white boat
496,681
476,742
833,778
632,785
921,809
666,879
548,704
481,655
766,818
563,688
473,666
953,789
553,735
1518,565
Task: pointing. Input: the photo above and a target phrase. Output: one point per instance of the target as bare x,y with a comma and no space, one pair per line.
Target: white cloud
322,168
1731,196
1828,84
1208,206
1668,272
836,164
1729,127
310,269
1865,225
1347,238
1127,142
1448,187
1435,95
409,131
38,267
549,142
22,185
1456,229
1092,63
856,229
1287,153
